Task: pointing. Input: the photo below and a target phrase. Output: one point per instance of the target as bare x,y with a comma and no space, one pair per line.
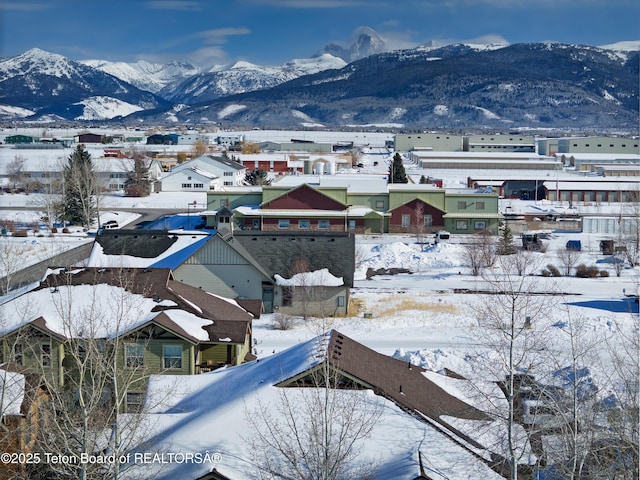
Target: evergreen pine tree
256,177
505,244
396,170
79,188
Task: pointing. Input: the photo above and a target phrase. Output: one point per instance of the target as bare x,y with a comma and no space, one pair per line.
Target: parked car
574,245
109,225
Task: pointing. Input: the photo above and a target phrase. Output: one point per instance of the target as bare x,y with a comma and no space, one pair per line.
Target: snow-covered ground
420,317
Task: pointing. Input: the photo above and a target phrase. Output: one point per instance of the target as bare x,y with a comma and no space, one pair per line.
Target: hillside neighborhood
279,304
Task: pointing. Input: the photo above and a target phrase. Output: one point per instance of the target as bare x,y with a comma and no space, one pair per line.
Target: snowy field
420,317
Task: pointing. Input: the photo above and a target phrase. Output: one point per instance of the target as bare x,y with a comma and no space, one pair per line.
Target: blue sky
270,32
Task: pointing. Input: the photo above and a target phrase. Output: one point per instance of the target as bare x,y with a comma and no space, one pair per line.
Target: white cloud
174,5
219,35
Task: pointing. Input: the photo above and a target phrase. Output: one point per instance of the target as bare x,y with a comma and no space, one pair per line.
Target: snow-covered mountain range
360,83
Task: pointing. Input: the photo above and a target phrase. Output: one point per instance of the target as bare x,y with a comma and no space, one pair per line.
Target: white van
442,236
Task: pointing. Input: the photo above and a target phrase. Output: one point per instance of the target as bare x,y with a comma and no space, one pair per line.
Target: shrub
282,321
20,233
583,271
553,270
604,273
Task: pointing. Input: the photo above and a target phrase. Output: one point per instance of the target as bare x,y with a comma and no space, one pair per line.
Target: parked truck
531,241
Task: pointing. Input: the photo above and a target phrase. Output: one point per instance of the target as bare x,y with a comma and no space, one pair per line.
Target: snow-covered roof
351,212
353,182
488,155
88,303
218,412
185,244
318,278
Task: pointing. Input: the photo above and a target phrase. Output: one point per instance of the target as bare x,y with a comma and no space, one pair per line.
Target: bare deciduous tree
313,430
480,252
510,322
15,171
569,258
89,389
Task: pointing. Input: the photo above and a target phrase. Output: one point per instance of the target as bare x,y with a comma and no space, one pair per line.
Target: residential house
256,269
191,179
42,169
24,413
150,322
221,172
418,416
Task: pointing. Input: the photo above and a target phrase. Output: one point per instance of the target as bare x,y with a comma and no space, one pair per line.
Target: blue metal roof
181,256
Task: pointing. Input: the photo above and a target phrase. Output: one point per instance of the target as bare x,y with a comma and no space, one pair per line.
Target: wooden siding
304,197
216,252
226,280
317,302
410,209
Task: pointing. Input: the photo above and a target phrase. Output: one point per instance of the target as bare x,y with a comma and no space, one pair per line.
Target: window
198,185
462,225
352,224
134,402
228,174
303,225
428,220
379,203
228,183
462,205
186,185
340,301
479,205
134,355
479,225
283,224
406,220
172,356
287,296
17,353
45,354
323,224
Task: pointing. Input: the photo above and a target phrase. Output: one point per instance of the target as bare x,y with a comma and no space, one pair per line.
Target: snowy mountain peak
37,61
151,77
366,42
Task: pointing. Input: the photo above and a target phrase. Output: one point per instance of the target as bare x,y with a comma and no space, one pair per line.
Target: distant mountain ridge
524,85
50,85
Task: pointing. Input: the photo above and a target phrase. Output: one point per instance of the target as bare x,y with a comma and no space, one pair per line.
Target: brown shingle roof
229,320
398,380
213,306
231,331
